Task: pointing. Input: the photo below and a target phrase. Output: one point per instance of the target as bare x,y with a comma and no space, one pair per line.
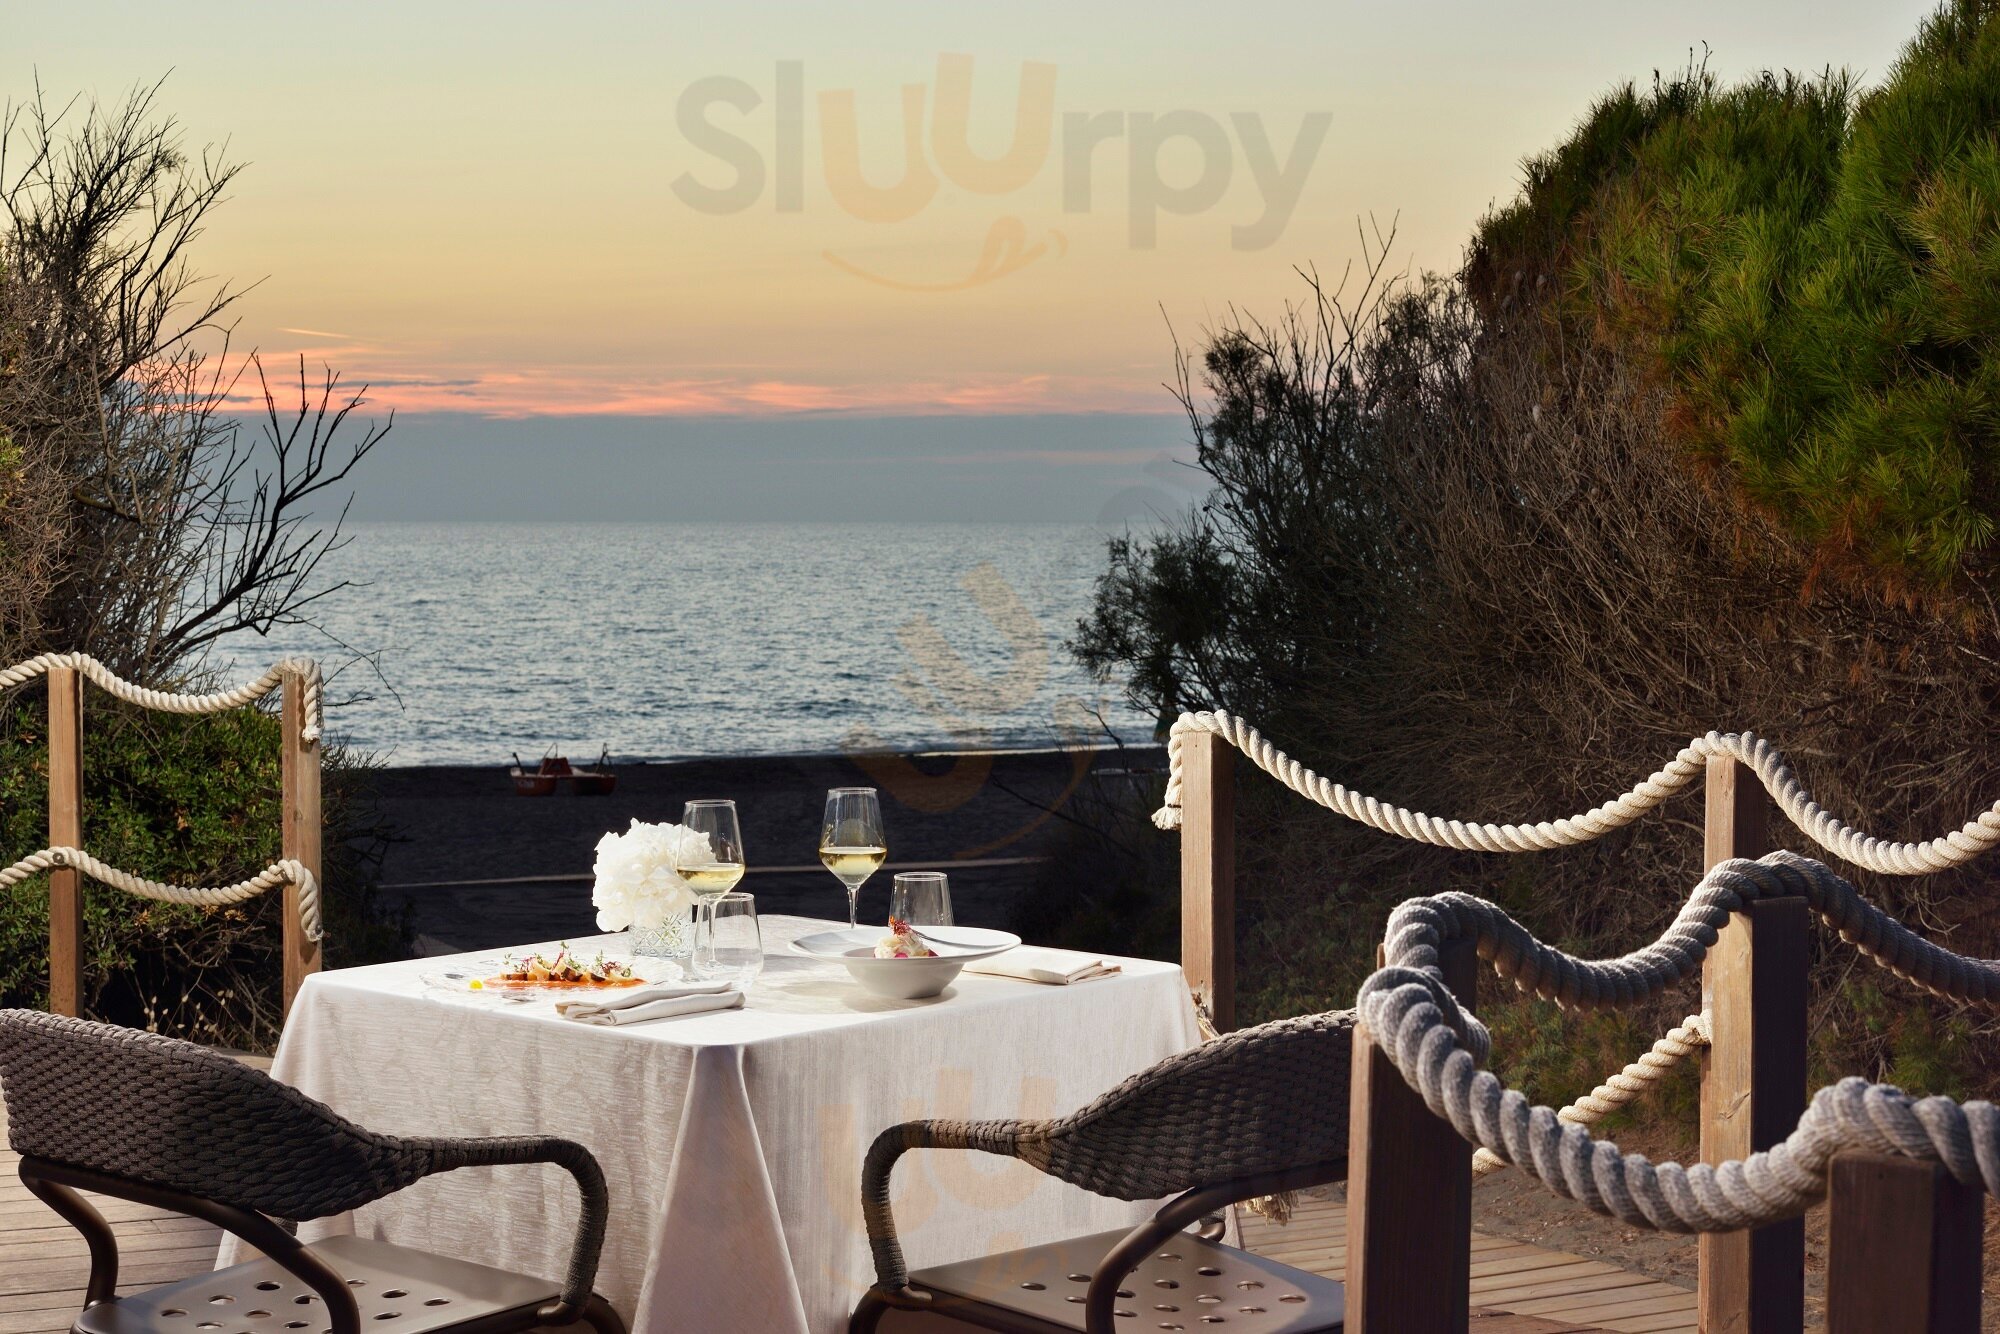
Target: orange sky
475,207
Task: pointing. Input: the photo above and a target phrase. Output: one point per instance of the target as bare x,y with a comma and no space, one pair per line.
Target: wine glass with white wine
851,842
710,873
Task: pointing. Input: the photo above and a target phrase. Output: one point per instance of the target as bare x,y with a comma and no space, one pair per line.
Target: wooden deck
1507,1276
43,1263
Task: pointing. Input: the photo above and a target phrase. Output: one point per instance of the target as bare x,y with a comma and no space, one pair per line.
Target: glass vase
673,939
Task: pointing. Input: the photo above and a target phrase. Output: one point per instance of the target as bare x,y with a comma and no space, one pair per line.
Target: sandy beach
483,868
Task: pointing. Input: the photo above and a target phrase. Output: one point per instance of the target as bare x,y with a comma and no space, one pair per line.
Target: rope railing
1623,1088
288,870
170,701
1955,848
1439,1048
283,872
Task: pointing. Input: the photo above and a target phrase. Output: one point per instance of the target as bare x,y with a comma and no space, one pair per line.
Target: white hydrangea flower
637,885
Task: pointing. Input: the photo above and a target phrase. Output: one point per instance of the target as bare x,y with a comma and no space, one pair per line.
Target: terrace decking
1523,1289
1507,1276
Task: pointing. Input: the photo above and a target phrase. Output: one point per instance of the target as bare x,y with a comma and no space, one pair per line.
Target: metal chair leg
600,1316
868,1315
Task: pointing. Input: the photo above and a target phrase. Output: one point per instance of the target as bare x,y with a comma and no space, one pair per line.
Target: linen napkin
1036,963
636,1007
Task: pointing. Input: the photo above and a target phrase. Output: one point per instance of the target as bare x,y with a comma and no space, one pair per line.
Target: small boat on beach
554,770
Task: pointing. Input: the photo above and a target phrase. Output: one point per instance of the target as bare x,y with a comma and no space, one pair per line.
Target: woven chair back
1259,1100
170,1114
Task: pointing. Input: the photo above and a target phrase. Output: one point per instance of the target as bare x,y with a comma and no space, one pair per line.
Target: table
732,1141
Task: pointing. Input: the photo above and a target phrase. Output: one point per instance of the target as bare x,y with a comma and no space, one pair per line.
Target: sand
986,818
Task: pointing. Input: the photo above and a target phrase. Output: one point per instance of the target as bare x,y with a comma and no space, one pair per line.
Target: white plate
906,979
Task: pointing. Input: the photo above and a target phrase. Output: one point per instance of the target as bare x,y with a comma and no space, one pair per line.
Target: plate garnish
902,943
564,969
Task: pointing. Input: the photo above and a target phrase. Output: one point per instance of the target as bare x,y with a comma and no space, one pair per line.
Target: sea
465,643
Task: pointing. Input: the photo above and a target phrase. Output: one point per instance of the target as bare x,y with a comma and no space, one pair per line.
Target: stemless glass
921,898
739,943
710,873
851,842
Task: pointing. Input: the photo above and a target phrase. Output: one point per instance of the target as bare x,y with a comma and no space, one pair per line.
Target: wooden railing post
1409,1192
1208,874
65,830
300,764
1753,1082
1903,1248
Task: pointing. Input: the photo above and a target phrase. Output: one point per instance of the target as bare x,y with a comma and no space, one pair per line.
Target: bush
190,800
142,520
1812,274
1529,605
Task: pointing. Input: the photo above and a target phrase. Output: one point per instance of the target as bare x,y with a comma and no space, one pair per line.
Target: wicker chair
1251,1113
174,1126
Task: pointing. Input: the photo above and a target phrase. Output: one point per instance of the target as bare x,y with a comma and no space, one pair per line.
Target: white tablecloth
732,1141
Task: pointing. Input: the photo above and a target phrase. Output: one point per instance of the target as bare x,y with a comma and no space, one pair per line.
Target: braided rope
1439,1048
1843,840
285,872
1624,1087
166,701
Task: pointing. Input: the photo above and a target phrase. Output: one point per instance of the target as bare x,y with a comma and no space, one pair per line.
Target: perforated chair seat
1187,1283
399,1291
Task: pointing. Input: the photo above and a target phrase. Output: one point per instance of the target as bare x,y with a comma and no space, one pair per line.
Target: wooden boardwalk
1507,1275
43,1263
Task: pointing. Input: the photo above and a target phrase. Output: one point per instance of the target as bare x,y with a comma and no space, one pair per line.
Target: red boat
555,769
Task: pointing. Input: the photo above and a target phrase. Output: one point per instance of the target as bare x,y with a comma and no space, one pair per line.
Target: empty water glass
739,943
921,898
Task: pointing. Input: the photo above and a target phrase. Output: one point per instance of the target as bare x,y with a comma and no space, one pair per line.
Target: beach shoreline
480,867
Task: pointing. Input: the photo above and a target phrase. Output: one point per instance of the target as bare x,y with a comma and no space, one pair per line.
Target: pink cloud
592,391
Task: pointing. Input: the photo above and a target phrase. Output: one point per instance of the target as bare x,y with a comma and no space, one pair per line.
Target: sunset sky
474,206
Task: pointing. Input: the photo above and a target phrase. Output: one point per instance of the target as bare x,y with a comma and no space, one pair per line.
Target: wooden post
299,762
1753,1082
65,830
1208,874
1409,1192
1903,1248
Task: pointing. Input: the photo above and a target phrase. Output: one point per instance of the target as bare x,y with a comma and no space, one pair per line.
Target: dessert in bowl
906,964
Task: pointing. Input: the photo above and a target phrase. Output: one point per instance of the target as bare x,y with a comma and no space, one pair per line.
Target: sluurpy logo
1178,163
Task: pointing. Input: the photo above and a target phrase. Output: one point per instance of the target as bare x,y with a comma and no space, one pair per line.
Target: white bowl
906,979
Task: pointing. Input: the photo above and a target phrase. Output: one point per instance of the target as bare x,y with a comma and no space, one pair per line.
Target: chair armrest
1004,1138
453,1154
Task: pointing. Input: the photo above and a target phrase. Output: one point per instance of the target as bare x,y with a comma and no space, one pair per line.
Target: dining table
732,1140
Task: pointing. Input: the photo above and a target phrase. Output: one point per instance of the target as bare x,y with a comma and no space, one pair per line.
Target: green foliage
1816,277
190,800
1910,1043
1453,558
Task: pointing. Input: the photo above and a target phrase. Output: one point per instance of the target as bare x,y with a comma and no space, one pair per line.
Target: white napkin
636,1007
1037,963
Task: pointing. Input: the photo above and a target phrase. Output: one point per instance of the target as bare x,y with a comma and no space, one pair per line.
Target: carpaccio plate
486,978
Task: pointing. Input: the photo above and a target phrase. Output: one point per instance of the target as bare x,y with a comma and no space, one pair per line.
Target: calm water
695,639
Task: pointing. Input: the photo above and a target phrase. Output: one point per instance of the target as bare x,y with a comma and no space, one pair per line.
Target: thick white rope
285,872
1622,1088
166,701
1844,841
1439,1049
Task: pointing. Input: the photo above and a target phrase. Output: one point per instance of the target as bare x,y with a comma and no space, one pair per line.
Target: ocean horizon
467,643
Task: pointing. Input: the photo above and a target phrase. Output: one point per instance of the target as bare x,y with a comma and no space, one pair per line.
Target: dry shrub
1538,603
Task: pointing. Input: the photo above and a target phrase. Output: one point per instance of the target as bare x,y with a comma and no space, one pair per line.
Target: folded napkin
1036,963
636,1007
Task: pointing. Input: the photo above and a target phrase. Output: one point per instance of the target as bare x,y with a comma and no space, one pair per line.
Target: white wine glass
851,842
711,871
